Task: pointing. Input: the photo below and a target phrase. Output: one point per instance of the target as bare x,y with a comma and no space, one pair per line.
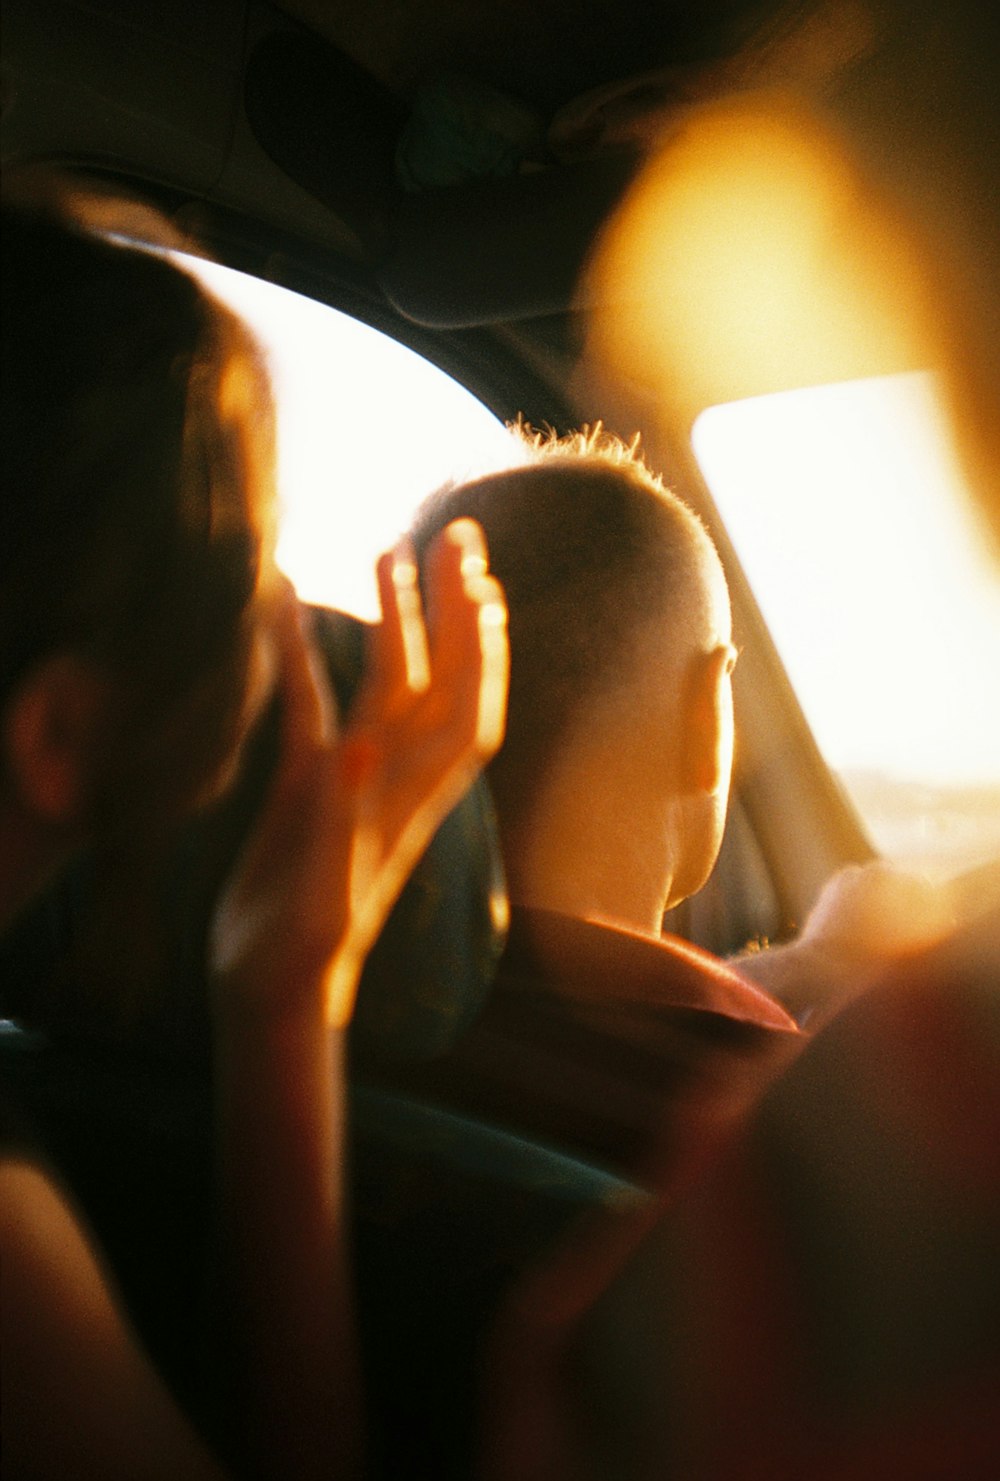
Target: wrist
287,1001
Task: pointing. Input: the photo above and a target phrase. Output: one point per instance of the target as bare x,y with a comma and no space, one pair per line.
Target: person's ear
52,733
708,727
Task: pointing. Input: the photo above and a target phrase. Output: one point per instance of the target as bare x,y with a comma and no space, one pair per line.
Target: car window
366,429
880,598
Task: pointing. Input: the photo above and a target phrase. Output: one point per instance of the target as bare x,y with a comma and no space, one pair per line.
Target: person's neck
588,853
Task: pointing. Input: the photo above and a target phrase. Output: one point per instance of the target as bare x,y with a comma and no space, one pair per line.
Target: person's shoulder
603,963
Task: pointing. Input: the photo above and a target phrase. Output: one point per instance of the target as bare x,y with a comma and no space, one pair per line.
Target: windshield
366,429
840,502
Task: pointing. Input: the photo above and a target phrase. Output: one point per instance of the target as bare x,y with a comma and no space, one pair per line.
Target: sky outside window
841,503
366,429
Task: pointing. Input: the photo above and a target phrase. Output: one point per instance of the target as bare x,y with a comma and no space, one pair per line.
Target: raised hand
347,816
867,915
876,912
350,810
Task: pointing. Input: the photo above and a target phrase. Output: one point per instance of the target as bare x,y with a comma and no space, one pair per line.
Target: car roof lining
299,108
544,51
492,249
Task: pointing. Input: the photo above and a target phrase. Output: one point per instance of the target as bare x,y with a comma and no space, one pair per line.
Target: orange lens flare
749,258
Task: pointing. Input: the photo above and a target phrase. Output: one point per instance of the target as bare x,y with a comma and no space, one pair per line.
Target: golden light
756,291
839,501
749,258
366,429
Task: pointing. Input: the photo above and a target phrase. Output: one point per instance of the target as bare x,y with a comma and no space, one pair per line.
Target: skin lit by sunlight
748,259
843,504
366,429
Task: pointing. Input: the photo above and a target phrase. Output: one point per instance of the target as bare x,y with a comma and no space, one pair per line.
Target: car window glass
882,602
366,429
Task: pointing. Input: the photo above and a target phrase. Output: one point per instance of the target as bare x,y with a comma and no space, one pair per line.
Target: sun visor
498,250
328,126
452,201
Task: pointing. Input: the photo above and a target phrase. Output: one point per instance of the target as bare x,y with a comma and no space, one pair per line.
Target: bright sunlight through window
840,501
366,429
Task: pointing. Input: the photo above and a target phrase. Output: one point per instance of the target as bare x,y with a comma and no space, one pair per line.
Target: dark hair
592,552
137,432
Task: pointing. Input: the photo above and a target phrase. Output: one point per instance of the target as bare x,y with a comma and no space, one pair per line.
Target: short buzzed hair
592,551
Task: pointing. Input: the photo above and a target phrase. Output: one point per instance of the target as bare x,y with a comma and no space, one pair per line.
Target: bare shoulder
79,1395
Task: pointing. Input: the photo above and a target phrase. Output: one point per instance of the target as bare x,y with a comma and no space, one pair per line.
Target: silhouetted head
138,446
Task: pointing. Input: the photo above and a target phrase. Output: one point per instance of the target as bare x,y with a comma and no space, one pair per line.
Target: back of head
611,582
136,426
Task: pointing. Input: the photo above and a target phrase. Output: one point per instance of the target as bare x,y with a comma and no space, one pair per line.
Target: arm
867,916
345,821
347,818
78,1397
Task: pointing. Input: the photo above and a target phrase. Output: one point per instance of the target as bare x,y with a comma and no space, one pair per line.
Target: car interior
441,173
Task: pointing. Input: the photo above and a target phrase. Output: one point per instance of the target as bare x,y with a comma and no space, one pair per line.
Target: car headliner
239,106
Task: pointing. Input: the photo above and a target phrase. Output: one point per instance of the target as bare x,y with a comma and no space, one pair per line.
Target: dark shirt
624,1050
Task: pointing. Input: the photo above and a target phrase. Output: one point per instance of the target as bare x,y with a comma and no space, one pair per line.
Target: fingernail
493,614
469,535
403,567
473,565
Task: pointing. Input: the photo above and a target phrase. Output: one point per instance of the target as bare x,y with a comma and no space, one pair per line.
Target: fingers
468,634
344,823
401,659
878,909
456,562
495,679
449,676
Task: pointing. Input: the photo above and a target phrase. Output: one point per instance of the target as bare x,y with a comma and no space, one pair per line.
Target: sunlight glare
748,259
366,429
845,507
754,271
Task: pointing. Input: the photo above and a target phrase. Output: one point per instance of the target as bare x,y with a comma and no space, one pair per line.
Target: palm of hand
349,814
